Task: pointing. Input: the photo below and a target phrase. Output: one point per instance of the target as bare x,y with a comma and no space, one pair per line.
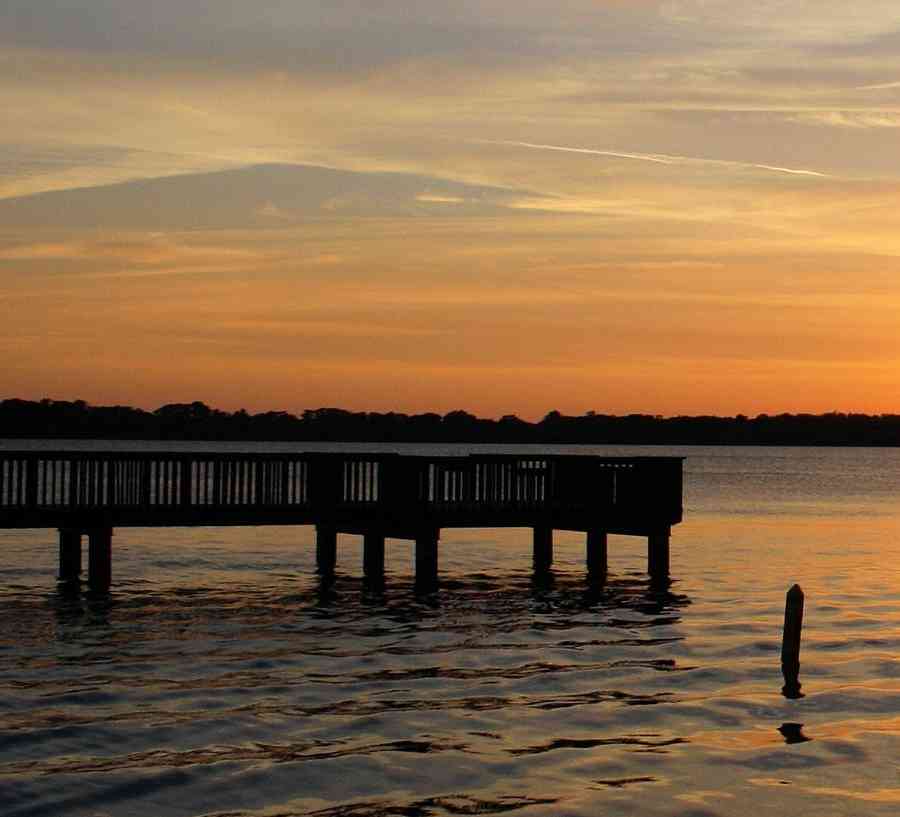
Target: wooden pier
377,496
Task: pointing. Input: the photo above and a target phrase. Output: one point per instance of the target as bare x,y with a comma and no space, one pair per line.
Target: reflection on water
793,733
222,677
342,682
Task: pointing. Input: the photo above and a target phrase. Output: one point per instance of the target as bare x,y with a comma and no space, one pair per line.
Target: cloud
273,211
664,159
795,22
49,167
349,37
434,198
249,196
850,119
879,86
136,255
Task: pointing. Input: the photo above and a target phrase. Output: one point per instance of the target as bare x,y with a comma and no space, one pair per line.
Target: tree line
61,419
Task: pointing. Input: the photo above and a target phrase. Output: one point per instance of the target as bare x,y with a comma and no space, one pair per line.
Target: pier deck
374,495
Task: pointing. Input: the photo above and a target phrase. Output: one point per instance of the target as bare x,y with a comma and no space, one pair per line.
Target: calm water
220,678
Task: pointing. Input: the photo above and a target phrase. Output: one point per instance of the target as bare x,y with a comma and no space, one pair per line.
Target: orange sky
666,207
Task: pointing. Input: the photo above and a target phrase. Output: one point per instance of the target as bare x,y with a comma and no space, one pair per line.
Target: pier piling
596,554
69,555
427,559
373,555
543,548
326,549
658,554
100,558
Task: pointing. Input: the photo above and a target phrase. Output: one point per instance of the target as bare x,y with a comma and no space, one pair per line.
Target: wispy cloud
661,158
434,198
272,210
879,86
850,119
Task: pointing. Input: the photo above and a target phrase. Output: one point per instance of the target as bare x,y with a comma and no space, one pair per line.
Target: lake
220,677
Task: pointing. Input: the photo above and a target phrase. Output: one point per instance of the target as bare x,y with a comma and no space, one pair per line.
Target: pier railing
322,483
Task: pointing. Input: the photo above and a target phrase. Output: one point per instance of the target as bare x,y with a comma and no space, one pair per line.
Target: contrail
881,86
777,169
658,158
644,157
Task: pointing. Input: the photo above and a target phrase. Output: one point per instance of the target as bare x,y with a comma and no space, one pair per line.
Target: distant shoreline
77,420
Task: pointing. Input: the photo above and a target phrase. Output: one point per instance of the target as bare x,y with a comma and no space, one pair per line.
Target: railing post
386,473
284,474
326,483
74,482
31,482
403,488
145,484
470,479
114,472
257,483
215,495
626,480
185,479
555,476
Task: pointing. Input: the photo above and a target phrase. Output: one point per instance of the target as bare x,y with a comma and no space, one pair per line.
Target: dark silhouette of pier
377,496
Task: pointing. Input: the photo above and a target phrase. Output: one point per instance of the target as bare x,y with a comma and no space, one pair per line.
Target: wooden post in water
100,558
543,548
373,555
326,549
596,554
658,554
427,559
69,554
790,642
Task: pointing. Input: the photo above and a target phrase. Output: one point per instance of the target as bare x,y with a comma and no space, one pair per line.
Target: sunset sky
505,206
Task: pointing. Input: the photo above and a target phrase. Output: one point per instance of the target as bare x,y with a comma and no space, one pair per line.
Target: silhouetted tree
60,418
